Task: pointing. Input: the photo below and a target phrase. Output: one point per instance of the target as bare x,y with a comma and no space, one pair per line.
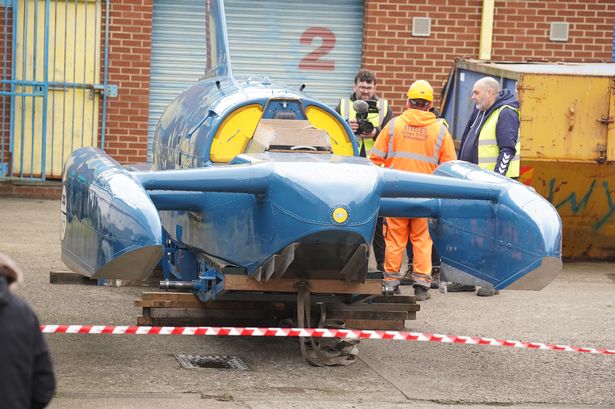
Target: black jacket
506,132
26,373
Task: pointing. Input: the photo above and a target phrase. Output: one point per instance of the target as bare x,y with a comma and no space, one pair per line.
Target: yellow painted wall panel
73,57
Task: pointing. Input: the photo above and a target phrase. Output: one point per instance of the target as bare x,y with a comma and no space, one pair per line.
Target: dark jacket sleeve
338,107
464,140
43,380
387,117
506,133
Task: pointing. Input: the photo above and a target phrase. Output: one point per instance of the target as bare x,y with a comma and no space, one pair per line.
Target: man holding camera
367,115
365,119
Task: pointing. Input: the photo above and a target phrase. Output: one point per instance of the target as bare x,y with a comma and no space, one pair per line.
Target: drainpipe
486,30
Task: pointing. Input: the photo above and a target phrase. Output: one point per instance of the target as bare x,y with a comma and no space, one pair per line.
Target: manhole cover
212,361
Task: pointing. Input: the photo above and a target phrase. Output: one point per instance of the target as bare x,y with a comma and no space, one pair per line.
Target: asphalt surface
129,371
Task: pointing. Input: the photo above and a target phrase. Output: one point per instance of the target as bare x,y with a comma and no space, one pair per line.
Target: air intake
421,26
559,32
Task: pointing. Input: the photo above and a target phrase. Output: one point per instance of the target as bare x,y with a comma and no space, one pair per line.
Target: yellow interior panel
234,133
321,119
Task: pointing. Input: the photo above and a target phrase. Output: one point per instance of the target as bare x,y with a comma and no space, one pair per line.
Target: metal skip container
567,139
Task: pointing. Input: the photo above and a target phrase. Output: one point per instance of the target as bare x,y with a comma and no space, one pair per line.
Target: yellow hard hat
420,90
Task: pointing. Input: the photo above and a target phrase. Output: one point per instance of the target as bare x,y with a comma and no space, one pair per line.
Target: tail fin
218,51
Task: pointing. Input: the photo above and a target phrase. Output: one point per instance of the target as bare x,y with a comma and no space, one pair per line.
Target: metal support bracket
111,90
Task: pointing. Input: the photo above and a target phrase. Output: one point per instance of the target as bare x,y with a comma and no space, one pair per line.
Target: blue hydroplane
255,187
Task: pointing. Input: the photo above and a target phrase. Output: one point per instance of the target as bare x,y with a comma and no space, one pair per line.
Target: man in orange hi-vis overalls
415,141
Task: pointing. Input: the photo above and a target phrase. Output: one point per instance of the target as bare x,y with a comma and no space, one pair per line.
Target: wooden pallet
69,277
185,309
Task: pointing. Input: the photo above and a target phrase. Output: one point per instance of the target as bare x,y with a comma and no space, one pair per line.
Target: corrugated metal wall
178,55
293,42
316,43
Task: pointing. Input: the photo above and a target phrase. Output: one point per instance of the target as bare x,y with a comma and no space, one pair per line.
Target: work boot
435,277
407,278
421,293
458,288
487,292
380,266
390,287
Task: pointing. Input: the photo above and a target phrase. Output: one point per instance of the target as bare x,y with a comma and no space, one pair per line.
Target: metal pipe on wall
486,30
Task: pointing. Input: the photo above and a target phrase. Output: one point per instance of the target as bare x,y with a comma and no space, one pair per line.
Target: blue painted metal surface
105,77
245,213
300,215
196,115
110,227
517,243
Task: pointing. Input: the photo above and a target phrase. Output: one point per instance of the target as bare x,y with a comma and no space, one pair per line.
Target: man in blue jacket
491,140
491,137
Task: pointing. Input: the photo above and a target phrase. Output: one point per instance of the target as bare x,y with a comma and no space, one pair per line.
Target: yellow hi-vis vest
376,118
488,150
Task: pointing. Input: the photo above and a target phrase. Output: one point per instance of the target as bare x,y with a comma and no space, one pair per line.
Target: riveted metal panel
561,117
316,43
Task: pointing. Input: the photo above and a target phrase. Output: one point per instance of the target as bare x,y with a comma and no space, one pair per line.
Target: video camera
363,109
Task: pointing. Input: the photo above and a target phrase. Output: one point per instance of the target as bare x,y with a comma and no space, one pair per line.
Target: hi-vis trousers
396,238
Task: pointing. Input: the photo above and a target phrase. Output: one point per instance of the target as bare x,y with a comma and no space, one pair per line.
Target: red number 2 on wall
313,61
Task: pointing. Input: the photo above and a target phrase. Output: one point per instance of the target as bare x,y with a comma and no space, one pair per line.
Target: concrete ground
128,371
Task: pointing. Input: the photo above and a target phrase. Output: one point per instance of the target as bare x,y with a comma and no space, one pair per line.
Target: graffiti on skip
611,209
577,201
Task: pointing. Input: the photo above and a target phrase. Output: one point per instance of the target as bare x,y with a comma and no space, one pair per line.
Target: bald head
485,92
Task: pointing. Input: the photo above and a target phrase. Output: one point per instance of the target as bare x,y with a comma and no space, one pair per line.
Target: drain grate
212,361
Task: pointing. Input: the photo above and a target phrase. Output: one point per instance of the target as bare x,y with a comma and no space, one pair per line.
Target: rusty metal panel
610,123
564,117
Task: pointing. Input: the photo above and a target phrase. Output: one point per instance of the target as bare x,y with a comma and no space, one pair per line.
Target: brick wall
6,13
130,39
520,33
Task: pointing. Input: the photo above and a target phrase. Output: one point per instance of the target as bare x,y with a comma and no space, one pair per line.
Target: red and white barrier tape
312,332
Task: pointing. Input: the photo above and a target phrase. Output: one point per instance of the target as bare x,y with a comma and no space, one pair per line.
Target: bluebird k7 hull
298,215
256,180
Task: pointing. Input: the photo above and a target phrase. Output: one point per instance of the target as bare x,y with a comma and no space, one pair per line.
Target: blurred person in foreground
26,372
